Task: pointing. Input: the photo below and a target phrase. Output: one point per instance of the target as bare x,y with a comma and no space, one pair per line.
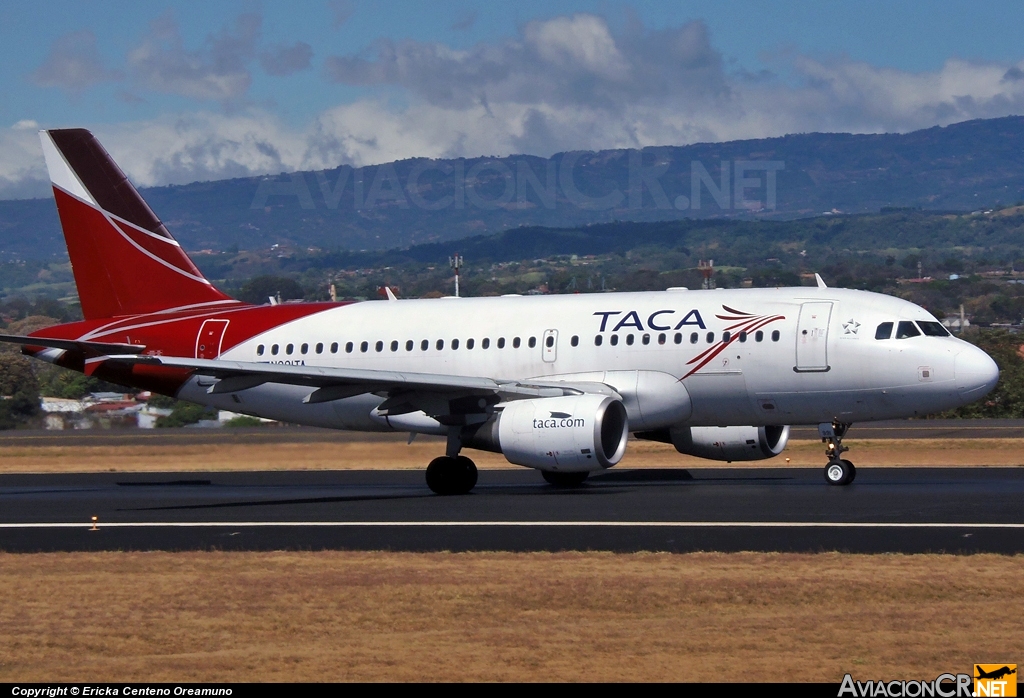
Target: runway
959,510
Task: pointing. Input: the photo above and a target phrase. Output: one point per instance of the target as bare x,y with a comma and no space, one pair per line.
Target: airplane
996,674
556,383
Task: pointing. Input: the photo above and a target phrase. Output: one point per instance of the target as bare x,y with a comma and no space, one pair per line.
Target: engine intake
576,433
724,443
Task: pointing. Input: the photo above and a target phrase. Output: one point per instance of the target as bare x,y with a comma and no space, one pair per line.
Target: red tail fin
125,262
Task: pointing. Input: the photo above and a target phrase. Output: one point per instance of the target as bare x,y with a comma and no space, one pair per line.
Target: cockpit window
933,329
906,329
884,331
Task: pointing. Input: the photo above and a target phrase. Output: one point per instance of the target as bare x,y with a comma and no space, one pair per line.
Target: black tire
853,471
447,476
468,472
837,473
564,479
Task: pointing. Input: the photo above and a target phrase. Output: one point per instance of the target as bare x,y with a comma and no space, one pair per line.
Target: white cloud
284,60
73,64
562,84
218,71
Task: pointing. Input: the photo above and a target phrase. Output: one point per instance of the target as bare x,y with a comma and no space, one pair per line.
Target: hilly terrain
971,166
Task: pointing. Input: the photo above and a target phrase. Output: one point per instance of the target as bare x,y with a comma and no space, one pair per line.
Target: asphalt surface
961,510
895,429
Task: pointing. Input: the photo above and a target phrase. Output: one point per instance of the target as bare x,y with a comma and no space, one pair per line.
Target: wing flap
337,383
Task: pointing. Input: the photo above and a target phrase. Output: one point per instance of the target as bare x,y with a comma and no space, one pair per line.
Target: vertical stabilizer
124,260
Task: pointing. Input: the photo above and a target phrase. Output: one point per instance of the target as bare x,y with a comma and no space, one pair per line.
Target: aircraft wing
406,391
94,348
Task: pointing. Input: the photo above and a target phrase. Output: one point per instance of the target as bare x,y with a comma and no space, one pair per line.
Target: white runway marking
465,524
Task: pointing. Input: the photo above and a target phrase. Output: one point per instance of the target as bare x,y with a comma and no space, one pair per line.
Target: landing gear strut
839,471
452,473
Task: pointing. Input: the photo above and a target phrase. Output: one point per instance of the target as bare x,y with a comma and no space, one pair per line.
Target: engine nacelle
566,434
727,443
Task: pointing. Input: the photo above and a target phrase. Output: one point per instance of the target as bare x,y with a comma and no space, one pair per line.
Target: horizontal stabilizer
94,348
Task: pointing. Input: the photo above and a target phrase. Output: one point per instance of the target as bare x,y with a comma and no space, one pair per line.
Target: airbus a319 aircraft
556,383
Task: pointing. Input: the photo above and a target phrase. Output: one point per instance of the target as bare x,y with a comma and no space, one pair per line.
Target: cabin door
812,336
210,338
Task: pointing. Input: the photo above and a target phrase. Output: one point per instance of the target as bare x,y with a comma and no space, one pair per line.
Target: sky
182,90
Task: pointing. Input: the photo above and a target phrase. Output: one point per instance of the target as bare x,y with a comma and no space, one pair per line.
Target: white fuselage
807,356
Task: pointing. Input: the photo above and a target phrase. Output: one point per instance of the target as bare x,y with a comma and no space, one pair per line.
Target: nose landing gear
839,471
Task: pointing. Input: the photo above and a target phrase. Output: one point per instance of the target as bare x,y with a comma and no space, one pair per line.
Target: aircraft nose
975,372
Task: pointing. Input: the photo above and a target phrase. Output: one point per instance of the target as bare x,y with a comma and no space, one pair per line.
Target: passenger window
678,339
304,349
549,341
259,350
379,346
775,335
470,343
726,336
440,344
884,331
933,329
693,338
629,339
348,347
455,344
485,343
533,342
598,340
394,345
424,345
319,347
614,340
289,349
274,349
758,336
515,343
743,336
661,338
334,347
409,344
646,339
906,329
501,342
575,341
711,337
364,346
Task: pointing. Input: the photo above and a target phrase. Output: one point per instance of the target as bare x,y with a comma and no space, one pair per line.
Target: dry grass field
395,454
341,616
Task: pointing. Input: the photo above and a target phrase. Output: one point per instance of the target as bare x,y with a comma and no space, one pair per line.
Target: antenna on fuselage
818,279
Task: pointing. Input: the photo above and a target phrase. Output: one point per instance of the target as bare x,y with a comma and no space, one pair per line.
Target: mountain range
968,166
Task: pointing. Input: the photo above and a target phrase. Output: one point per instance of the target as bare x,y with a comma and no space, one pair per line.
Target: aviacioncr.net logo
559,420
943,686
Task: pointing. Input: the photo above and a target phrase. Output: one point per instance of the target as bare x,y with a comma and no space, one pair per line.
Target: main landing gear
452,473
839,471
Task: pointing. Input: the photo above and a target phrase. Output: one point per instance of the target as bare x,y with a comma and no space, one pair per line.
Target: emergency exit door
812,337
549,346
210,338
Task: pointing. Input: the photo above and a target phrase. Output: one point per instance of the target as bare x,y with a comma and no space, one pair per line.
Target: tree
258,289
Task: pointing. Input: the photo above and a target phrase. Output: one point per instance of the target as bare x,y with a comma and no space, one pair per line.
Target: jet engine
576,433
724,443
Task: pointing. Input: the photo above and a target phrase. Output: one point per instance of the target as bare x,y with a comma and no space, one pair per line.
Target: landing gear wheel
564,479
840,472
447,475
853,471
